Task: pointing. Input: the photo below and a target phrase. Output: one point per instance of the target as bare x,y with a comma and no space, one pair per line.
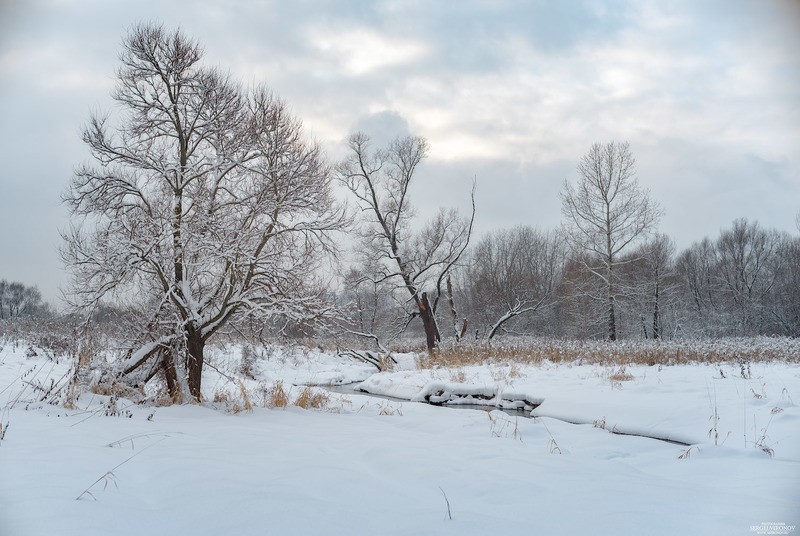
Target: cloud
361,51
511,92
382,127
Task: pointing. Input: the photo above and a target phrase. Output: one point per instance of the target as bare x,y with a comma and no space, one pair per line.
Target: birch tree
203,204
606,212
416,261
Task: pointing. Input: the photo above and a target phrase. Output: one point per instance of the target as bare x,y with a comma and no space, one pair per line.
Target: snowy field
366,465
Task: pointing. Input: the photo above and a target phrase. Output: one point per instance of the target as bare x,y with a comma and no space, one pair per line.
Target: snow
374,466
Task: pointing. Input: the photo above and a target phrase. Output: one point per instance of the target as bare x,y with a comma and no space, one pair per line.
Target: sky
509,94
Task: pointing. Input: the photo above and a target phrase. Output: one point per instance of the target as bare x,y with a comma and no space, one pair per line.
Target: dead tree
415,261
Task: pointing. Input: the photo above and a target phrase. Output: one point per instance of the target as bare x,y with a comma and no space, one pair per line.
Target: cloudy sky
511,93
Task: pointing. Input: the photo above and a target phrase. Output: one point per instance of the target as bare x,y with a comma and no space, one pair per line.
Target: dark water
348,389
524,413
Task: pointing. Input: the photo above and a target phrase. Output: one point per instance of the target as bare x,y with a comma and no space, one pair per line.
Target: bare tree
650,276
204,205
743,283
785,306
371,305
749,262
418,261
17,299
696,267
514,272
606,212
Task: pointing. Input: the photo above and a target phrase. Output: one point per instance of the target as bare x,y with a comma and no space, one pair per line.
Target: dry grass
501,425
386,362
114,389
311,398
534,351
387,409
458,376
620,375
246,404
276,396
506,372
600,423
231,403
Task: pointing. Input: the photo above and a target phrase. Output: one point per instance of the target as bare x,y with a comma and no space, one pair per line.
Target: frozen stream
349,389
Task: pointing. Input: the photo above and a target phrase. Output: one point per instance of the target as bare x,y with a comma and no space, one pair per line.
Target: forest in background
206,212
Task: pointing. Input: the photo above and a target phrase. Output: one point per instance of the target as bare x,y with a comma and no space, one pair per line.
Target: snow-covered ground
367,465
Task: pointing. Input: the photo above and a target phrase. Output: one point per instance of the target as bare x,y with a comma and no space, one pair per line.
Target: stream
349,389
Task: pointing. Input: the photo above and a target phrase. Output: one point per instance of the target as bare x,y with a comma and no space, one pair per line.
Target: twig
447,501
109,475
119,442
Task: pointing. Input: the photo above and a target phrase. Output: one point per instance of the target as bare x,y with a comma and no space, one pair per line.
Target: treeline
605,273
19,301
524,281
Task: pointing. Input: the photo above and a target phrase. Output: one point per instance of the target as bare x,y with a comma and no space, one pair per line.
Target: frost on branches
203,205
413,263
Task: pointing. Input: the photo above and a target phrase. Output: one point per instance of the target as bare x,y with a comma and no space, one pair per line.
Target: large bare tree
203,205
606,211
417,261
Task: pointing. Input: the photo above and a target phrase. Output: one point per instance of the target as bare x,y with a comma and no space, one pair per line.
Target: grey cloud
382,127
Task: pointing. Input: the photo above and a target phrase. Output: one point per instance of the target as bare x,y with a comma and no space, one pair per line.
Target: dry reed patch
231,403
311,398
529,350
115,389
246,404
276,396
620,374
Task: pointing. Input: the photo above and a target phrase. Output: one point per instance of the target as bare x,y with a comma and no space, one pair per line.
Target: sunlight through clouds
361,51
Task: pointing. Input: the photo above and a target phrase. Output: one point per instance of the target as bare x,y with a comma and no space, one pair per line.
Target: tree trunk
459,333
194,362
170,374
428,322
612,322
656,320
